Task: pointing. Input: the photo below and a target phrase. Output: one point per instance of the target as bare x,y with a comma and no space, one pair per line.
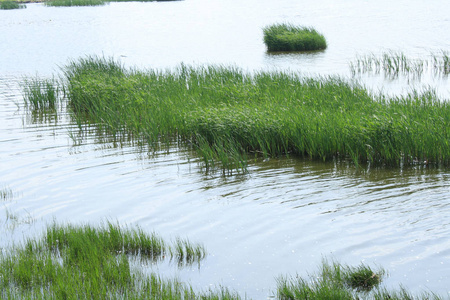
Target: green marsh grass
230,116
40,94
11,5
393,64
338,281
288,37
73,262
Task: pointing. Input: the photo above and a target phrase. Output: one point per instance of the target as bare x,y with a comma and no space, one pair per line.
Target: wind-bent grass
337,281
72,262
40,94
229,115
287,37
393,64
11,5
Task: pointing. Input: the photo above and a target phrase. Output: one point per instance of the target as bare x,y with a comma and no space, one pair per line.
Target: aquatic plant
74,2
288,37
11,5
229,115
393,64
70,262
338,281
40,94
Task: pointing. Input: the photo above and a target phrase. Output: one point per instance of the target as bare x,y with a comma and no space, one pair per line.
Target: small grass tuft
40,94
288,37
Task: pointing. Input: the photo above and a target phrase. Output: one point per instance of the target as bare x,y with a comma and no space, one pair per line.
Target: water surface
282,217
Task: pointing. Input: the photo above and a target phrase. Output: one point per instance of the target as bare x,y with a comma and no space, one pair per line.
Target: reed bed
393,64
288,37
73,262
11,5
230,116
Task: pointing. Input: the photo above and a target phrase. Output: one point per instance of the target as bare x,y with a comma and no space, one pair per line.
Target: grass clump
287,37
74,2
338,281
40,94
11,5
73,262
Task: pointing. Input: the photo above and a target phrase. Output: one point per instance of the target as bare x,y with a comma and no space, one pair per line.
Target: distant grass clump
73,262
74,2
287,37
228,115
338,281
11,5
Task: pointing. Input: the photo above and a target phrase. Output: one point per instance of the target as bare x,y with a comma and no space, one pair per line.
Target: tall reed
229,115
74,2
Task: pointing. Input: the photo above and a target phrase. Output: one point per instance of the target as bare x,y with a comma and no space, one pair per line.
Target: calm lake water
282,217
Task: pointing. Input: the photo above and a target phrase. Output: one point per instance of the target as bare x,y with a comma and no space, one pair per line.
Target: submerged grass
11,5
288,37
229,115
392,64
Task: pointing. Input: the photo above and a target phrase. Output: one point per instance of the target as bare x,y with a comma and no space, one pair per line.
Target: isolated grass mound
228,115
287,37
11,5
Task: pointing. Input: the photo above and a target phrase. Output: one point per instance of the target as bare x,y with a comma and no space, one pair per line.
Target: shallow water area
285,214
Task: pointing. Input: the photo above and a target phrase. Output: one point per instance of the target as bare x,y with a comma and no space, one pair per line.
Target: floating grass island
287,37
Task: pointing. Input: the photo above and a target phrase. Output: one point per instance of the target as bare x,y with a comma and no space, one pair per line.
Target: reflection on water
282,216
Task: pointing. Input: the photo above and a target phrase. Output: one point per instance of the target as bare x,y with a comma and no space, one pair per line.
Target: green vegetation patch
40,94
338,281
73,262
11,5
230,116
288,37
